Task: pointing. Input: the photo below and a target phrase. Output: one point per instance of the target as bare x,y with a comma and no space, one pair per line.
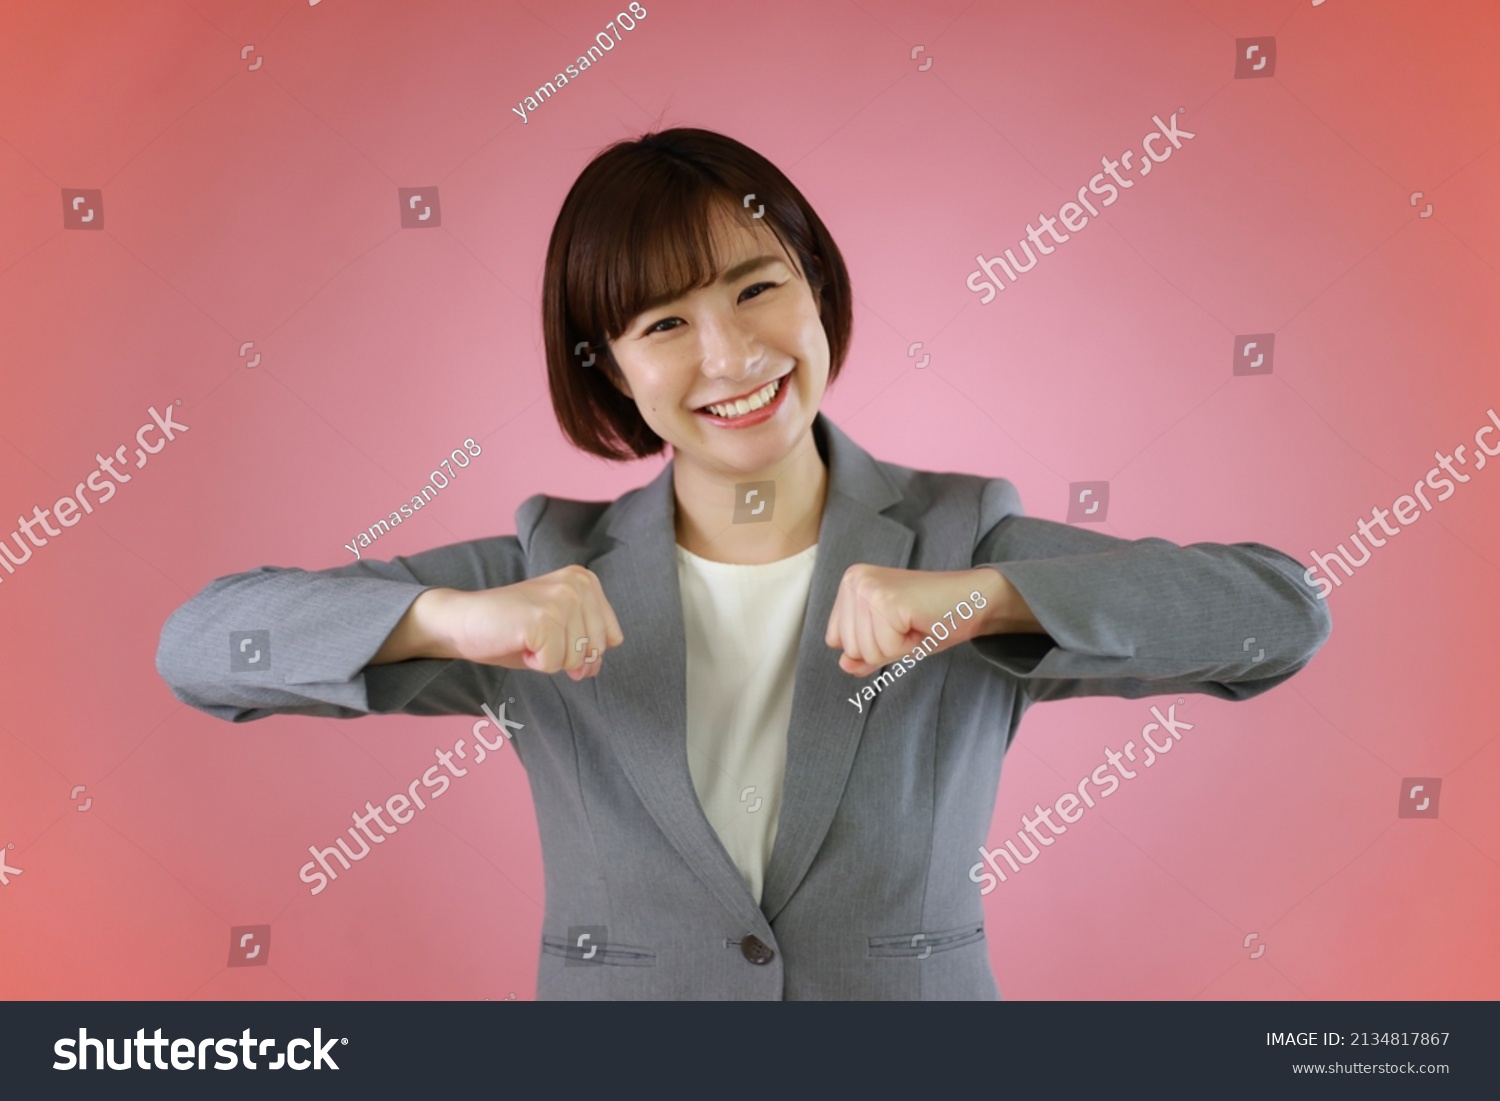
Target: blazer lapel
825,728
644,682
643,686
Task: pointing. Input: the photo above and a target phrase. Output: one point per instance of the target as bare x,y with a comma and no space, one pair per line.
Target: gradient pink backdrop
260,205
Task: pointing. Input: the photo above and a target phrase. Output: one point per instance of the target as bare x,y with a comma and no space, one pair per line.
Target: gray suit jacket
867,895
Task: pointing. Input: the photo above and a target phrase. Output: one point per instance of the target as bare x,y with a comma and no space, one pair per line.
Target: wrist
435,623
1007,611
423,632
995,617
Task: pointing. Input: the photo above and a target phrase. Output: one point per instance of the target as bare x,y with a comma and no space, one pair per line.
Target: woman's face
753,337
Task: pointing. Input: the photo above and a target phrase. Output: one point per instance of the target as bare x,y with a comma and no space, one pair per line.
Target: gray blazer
868,894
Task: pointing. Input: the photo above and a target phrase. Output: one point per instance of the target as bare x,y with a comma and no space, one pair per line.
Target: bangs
671,243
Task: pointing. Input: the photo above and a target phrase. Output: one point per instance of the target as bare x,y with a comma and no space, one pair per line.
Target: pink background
260,205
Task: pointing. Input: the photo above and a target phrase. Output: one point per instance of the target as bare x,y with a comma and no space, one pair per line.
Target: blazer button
756,950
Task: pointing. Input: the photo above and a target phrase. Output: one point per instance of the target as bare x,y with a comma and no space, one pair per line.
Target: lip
759,416
753,390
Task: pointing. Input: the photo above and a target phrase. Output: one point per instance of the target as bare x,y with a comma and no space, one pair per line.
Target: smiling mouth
749,403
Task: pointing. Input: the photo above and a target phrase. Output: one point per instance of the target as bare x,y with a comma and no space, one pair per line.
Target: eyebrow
738,271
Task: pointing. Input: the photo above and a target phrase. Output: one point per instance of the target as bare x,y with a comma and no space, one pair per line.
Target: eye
759,287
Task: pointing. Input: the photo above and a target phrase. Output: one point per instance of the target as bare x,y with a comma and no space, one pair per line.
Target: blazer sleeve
1144,617
323,627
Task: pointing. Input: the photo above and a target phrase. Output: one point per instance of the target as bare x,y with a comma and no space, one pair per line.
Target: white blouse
743,625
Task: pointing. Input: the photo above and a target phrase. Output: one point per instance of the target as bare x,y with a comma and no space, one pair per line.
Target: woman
729,806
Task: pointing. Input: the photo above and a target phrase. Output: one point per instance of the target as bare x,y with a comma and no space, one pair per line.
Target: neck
706,503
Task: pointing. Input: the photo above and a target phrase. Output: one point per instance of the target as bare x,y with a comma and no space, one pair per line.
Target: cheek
659,390
646,382
815,338
797,331
812,325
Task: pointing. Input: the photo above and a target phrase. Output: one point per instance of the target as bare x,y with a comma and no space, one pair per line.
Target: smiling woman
609,278
712,329
716,821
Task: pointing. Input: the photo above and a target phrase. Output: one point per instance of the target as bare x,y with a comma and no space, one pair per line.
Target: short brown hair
635,229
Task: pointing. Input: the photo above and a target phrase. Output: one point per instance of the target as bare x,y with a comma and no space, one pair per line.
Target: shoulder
563,520
935,501
564,530
927,495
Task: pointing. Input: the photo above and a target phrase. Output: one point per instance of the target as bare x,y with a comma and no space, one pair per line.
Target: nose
730,348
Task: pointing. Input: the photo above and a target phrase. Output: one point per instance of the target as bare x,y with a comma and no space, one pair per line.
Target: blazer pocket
920,945
619,955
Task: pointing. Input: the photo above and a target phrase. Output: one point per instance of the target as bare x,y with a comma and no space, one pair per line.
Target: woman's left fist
881,613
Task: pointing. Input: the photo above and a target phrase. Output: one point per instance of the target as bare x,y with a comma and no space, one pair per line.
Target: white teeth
747,405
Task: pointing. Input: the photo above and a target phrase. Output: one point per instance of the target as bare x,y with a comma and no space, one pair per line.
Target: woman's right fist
558,622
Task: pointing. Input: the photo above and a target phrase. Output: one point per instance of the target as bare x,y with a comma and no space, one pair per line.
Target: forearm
301,641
